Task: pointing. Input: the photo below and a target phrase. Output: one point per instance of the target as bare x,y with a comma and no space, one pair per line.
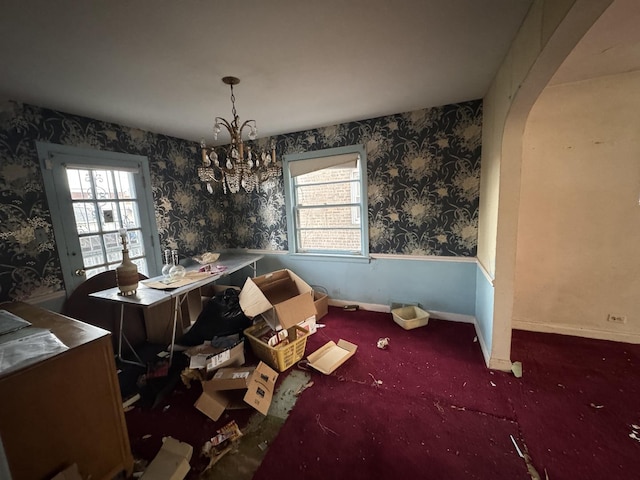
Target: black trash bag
220,317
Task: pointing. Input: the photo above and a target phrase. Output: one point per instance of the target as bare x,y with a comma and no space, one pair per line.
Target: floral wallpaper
423,188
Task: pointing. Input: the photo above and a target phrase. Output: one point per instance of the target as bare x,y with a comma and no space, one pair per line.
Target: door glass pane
85,214
130,215
124,185
91,248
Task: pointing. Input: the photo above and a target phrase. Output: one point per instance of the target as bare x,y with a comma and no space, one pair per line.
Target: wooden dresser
64,409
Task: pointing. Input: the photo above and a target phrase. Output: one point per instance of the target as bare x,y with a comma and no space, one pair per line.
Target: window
326,202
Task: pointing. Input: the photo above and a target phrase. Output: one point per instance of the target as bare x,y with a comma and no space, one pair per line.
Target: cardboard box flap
212,403
330,356
230,379
252,301
171,462
295,310
261,386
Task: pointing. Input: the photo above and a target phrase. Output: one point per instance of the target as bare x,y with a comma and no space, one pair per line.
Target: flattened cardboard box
281,297
330,356
255,389
171,462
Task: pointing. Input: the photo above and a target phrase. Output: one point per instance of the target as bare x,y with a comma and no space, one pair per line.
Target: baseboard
370,307
576,331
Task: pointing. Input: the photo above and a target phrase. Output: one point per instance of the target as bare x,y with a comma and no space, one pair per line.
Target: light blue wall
484,307
440,285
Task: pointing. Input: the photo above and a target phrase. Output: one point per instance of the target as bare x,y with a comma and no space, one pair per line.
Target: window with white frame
326,202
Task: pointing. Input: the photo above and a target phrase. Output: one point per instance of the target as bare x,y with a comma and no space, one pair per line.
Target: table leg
121,335
178,302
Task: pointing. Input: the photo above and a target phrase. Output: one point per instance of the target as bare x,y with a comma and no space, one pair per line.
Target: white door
92,196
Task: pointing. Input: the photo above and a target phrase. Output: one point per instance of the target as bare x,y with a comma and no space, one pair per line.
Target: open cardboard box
281,297
321,301
331,355
239,387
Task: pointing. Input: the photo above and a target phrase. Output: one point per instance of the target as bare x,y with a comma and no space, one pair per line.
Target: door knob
80,272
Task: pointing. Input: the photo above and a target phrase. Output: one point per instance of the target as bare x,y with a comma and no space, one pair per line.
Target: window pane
327,217
326,194
329,240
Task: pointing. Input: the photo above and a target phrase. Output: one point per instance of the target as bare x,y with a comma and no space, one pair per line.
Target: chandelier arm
245,123
226,125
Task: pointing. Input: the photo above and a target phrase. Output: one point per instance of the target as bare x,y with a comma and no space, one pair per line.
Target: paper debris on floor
225,441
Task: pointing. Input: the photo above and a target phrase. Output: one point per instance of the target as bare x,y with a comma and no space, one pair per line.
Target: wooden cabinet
65,409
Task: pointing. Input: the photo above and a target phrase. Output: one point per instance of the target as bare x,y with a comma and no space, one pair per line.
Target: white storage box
410,317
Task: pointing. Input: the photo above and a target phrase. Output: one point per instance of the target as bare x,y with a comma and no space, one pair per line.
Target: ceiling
157,64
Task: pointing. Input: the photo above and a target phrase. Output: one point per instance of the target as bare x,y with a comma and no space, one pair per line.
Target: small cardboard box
255,390
330,356
321,301
210,358
281,297
171,462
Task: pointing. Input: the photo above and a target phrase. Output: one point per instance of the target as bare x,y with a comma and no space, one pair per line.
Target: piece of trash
516,445
303,388
516,368
148,435
375,383
263,445
561,385
635,436
383,343
493,384
225,441
475,339
166,407
324,429
163,354
320,325
596,406
350,308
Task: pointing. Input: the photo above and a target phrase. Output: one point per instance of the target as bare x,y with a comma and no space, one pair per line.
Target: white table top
147,296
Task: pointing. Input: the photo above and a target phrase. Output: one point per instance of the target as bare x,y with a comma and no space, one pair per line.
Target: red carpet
428,408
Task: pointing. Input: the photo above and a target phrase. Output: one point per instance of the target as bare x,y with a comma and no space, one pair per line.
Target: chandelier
237,165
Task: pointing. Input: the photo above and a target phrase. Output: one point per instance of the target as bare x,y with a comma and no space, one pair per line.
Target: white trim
485,272
424,258
625,337
483,343
370,307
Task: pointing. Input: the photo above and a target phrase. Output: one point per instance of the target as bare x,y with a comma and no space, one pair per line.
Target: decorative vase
127,271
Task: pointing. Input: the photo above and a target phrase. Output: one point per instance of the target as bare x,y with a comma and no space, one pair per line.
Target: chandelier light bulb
229,164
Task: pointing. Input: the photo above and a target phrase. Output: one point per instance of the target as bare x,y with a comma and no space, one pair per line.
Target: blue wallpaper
423,187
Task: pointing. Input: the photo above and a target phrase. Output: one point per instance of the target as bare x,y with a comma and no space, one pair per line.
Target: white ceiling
157,64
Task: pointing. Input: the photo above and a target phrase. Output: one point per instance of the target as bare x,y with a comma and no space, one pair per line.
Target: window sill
330,257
